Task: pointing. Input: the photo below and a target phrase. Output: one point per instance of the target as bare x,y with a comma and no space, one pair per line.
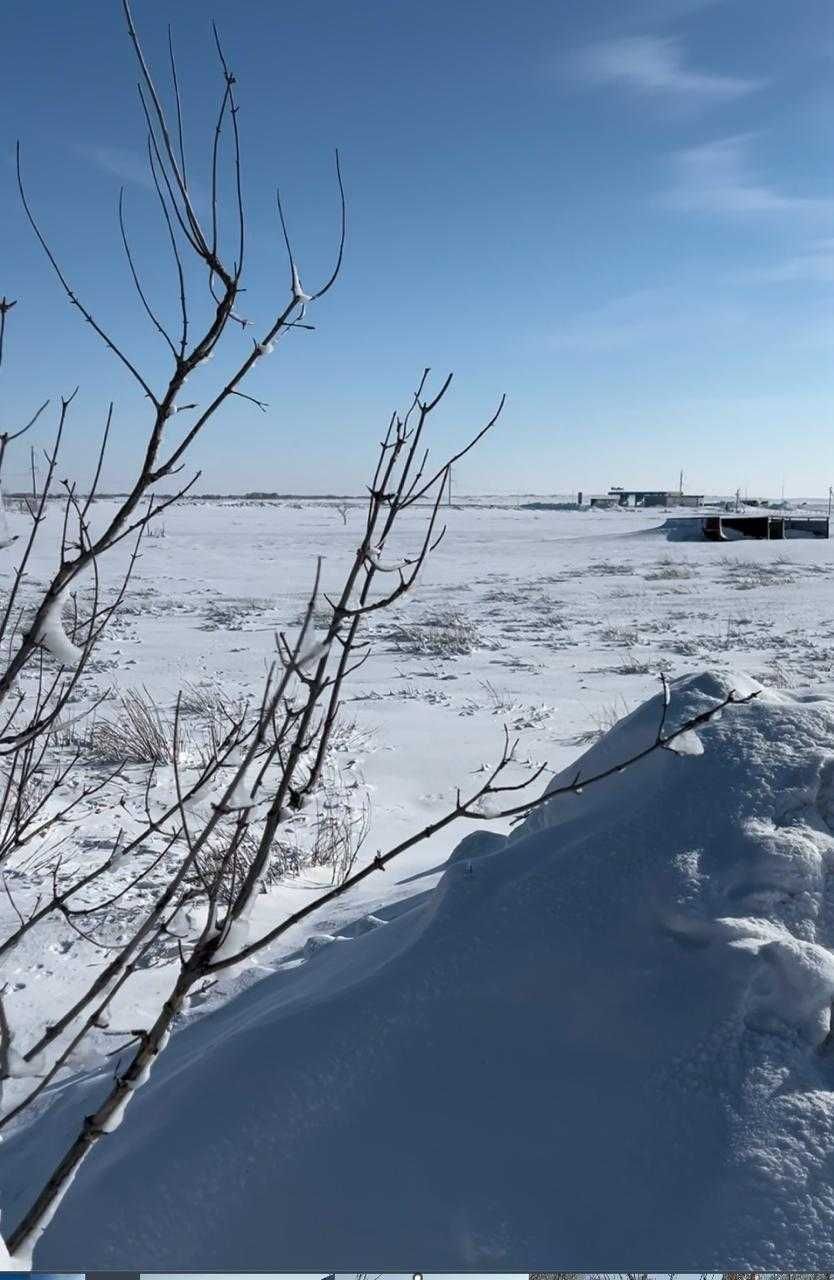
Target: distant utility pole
35,471
680,485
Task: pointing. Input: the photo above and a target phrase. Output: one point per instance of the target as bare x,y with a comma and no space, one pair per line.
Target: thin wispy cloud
650,64
718,177
125,163
814,265
649,317
131,168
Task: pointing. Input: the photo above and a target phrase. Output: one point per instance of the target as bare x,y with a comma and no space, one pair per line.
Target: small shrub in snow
214,713
410,692
500,700
516,715
608,568
138,733
209,701
286,858
447,634
340,827
321,618
347,735
692,646
747,575
628,636
778,677
329,833
632,665
224,615
602,720
669,572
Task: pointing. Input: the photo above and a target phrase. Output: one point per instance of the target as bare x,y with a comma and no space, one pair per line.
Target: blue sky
620,212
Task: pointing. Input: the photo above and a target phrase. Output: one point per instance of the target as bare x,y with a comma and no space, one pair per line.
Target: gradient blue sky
620,212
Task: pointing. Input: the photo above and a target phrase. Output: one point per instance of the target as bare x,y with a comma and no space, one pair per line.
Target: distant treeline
206,497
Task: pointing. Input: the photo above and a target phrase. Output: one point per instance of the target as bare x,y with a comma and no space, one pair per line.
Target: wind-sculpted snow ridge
602,1038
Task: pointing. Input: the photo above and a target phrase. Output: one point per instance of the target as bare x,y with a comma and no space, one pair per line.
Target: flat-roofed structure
655,498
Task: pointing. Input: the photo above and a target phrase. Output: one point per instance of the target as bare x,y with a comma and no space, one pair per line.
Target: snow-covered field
596,1042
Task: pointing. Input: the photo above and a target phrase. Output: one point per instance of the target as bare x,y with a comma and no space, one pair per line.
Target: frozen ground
528,1018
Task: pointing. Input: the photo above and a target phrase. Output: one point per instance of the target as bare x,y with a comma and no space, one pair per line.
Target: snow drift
601,1039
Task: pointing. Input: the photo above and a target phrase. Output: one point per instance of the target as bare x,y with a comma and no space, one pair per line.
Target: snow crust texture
603,1037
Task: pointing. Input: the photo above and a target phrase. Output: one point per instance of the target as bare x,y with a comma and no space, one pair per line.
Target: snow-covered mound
598,1040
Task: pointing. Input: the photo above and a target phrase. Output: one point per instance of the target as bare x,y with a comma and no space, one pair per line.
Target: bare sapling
192,871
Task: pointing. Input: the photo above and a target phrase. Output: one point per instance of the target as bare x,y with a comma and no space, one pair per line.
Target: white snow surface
595,1041
559,1051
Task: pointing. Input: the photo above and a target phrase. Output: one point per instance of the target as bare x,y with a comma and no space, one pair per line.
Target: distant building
655,498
